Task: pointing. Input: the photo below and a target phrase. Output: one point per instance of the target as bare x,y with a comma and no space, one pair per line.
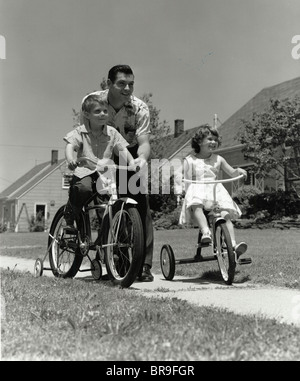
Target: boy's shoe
146,275
241,248
206,238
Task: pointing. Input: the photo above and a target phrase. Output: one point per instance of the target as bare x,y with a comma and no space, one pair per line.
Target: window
40,210
66,180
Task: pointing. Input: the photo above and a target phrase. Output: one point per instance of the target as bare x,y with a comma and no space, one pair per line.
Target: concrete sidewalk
282,304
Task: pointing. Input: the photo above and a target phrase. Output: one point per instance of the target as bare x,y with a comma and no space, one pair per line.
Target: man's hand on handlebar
102,164
140,163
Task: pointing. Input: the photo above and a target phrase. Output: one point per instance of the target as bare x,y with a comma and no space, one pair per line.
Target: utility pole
215,121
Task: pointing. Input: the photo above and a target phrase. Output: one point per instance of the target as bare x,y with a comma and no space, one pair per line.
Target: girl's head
205,132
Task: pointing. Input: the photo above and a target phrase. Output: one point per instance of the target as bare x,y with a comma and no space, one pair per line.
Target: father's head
120,82
124,69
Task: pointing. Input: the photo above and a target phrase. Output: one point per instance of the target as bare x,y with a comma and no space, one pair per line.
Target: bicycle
118,246
221,247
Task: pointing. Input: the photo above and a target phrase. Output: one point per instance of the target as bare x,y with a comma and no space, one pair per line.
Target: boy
94,140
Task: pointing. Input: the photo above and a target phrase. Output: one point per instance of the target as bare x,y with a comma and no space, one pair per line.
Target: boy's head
91,101
95,108
201,134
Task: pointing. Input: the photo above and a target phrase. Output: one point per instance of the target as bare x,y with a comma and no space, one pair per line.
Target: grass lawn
54,319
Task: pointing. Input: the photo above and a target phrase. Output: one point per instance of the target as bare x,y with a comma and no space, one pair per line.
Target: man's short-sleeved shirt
133,116
94,148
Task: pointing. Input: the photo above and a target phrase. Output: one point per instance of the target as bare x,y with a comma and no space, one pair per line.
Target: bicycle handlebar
214,181
109,166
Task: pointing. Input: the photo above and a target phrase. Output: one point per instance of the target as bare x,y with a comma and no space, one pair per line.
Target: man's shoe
146,275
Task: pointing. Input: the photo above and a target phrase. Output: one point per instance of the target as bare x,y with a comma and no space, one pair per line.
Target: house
179,145
42,191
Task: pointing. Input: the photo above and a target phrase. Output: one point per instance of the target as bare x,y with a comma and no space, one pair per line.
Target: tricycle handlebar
214,181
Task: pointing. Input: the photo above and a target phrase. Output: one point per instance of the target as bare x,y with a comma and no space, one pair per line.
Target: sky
197,57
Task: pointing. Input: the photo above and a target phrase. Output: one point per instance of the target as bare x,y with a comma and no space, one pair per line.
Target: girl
201,165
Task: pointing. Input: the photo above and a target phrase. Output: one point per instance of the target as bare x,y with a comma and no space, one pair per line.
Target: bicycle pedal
203,245
244,261
70,230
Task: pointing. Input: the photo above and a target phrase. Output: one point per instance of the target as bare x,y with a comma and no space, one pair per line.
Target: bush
243,195
37,224
167,220
165,203
3,227
277,204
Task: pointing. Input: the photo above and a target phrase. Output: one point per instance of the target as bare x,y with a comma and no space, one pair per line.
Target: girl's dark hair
202,133
125,69
90,101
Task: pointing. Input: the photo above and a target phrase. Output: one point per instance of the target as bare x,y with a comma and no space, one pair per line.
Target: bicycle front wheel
64,257
224,252
124,241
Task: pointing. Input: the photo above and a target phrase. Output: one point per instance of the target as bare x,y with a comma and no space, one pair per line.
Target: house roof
170,145
258,104
229,129
30,179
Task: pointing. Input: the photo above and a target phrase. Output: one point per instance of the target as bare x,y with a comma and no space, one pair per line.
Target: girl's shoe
206,238
241,248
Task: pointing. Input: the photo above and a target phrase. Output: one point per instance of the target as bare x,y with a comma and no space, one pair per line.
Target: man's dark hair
112,74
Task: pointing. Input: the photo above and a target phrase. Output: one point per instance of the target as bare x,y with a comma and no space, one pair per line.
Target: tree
159,129
272,141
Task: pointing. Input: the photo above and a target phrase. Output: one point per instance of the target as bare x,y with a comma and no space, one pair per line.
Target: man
131,117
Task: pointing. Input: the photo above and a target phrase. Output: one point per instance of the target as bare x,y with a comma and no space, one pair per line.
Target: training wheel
167,262
38,268
96,269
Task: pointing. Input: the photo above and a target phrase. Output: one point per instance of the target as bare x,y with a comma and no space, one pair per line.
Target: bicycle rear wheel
125,243
64,254
225,253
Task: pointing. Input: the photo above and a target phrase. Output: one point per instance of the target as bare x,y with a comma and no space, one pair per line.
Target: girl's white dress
203,194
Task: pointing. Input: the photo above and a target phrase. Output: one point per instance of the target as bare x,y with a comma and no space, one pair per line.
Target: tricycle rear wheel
167,262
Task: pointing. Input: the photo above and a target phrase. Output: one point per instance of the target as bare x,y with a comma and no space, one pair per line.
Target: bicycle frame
107,211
